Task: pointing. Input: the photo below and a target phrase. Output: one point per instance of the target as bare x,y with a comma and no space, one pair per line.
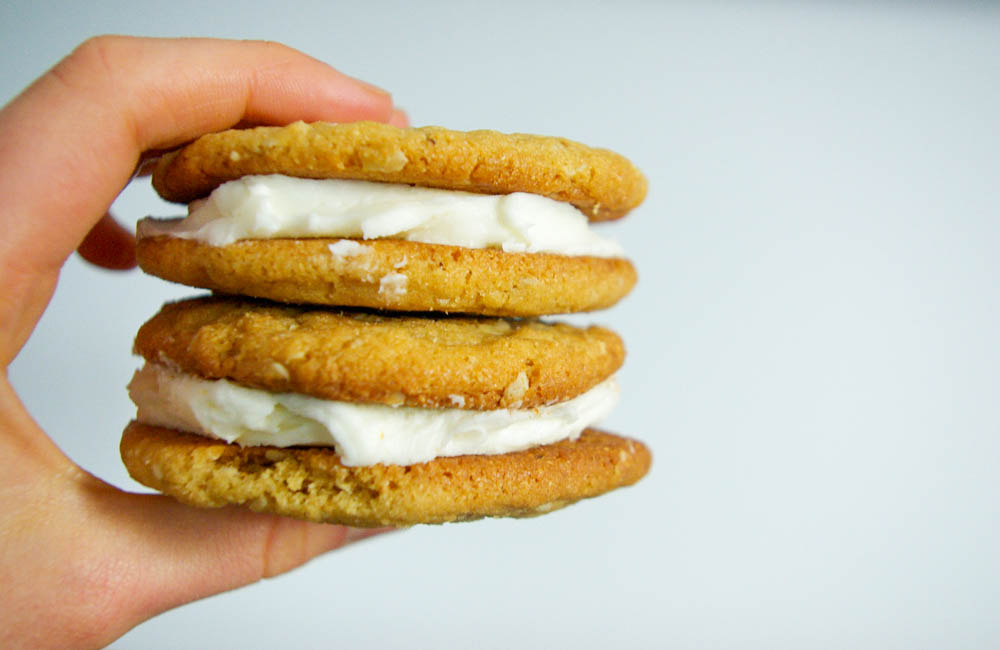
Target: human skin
82,562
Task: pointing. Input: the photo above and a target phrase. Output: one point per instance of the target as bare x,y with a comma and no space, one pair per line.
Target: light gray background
813,342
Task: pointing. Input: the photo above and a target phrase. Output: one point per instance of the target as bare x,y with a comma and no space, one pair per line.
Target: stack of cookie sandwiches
373,353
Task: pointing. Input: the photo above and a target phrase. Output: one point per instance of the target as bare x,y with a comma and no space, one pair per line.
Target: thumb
188,553
88,562
145,554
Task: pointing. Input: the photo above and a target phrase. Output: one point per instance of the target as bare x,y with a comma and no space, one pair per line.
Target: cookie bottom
311,483
393,274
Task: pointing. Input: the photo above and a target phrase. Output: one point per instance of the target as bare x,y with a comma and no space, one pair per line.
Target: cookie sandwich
378,360
418,219
369,419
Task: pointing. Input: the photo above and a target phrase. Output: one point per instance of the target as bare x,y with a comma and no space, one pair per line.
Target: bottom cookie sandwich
372,420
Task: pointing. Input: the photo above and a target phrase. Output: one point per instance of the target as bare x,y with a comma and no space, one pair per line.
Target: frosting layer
363,434
263,207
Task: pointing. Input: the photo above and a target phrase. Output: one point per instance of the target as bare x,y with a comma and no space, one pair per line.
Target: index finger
70,142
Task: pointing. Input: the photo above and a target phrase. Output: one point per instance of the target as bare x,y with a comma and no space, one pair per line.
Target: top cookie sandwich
417,219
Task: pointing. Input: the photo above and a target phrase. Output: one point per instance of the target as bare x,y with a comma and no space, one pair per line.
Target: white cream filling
363,434
262,207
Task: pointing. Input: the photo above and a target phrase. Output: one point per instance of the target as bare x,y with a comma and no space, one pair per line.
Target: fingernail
358,534
399,118
373,88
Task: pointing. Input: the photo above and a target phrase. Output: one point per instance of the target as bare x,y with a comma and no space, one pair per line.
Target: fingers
68,145
399,118
108,245
72,140
191,553
162,554
115,97
224,83
89,562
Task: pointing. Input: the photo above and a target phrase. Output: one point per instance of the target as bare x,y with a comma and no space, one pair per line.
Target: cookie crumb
280,370
393,285
515,390
348,248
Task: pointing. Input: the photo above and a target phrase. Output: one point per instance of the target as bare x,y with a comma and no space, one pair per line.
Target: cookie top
472,363
392,275
602,184
310,482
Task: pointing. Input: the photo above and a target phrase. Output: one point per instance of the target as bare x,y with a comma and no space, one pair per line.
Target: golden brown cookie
311,483
489,363
601,183
393,274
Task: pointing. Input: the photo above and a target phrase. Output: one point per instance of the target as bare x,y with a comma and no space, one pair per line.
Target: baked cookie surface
477,363
393,275
310,483
602,184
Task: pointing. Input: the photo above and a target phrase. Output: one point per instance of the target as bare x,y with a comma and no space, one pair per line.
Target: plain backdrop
813,349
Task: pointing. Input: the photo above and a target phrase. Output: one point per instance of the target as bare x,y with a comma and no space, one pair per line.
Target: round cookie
393,274
311,483
480,363
602,184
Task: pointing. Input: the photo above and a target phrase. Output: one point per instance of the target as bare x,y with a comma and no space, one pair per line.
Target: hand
82,562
